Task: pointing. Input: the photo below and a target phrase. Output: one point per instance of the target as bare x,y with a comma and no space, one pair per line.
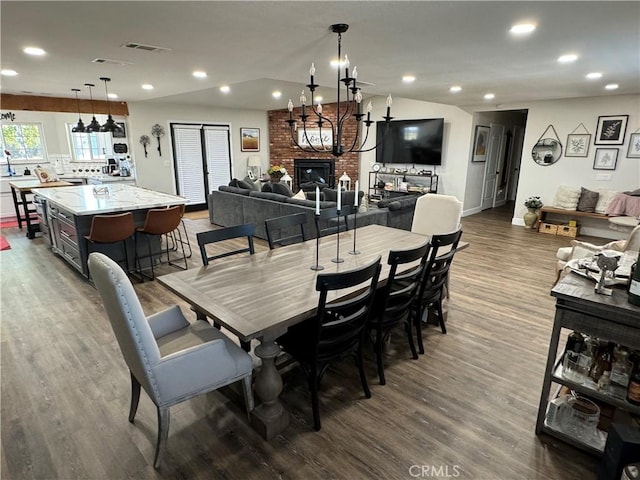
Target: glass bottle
575,340
634,283
621,368
633,390
587,355
602,362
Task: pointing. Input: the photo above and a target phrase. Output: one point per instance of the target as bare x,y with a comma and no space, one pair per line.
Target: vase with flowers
533,204
276,172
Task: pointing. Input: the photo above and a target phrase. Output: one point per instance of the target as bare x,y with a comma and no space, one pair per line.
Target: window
23,140
89,147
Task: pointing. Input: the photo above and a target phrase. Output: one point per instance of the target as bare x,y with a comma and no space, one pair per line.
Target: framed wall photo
120,133
605,159
634,146
250,139
611,129
577,145
480,144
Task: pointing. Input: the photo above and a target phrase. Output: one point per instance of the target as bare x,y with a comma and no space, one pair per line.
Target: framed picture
120,133
480,144
314,137
606,159
250,138
634,146
577,145
611,130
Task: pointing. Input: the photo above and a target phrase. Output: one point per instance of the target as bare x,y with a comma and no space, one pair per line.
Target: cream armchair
171,359
583,249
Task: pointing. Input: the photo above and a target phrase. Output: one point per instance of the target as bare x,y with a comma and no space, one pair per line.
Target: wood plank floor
466,409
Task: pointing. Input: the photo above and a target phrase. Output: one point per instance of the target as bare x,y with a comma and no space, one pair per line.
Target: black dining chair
229,233
285,230
394,301
327,214
434,281
337,330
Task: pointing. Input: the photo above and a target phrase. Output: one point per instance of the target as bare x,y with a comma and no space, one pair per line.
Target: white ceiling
257,47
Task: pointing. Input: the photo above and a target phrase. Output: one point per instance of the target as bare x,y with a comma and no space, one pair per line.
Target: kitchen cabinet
609,318
416,183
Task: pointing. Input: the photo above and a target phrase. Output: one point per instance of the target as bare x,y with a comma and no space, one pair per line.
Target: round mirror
547,151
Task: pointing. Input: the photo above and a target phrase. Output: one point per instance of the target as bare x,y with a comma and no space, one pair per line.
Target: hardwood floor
466,409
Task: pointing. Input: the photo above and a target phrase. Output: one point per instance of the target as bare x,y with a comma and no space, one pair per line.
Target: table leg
16,206
31,229
270,417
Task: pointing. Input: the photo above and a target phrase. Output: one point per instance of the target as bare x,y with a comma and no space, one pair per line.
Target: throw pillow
267,187
282,189
234,183
330,194
588,200
253,183
300,195
567,197
45,175
605,198
245,185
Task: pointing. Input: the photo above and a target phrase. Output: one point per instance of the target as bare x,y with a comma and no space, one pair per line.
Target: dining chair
327,214
163,223
436,214
433,282
229,233
394,302
285,230
170,358
111,229
338,328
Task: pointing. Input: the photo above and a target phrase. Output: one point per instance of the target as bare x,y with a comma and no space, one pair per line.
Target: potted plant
276,172
531,216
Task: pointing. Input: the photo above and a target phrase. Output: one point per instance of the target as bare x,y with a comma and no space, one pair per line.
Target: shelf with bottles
419,183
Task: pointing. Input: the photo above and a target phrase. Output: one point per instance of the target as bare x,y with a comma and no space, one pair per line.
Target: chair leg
248,395
163,434
379,347
314,381
135,397
441,316
363,376
418,325
412,346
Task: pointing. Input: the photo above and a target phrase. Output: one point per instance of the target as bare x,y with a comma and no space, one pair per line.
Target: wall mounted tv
411,141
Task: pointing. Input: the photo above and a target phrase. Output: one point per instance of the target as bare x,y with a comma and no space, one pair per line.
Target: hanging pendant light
79,128
110,125
94,126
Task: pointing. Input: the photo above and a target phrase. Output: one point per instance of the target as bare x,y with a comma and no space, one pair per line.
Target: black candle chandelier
349,109
79,128
110,125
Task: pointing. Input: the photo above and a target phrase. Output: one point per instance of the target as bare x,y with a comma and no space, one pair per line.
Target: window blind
218,156
189,162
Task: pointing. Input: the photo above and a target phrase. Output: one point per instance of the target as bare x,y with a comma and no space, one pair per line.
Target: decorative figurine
158,131
144,141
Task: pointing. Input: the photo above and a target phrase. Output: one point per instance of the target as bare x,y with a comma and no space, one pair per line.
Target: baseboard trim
471,211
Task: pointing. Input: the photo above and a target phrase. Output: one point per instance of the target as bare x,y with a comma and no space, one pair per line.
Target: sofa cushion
567,197
281,188
398,203
301,202
331,195
267,187
269,196
588,200
239,191
248,184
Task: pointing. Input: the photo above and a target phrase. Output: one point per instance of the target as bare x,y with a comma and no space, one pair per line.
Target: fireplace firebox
308,172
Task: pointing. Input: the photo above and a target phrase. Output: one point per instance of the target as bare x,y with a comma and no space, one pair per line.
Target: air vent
122,63
147,48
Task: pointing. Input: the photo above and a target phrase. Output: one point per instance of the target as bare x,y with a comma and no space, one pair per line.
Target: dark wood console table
612,319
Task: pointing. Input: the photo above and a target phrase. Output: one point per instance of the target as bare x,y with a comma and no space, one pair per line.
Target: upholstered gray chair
170,358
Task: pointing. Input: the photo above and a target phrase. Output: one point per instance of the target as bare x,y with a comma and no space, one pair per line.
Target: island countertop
87,199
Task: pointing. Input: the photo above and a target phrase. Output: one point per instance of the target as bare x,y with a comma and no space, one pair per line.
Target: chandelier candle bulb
355,197
339,198
317,200
346,66
389,102
319,109
312,72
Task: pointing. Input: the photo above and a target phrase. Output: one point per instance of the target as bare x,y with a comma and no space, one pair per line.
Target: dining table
260,296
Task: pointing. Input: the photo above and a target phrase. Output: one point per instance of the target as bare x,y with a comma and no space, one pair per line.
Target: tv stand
401,183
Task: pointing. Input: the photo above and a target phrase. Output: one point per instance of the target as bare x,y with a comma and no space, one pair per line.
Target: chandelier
349,109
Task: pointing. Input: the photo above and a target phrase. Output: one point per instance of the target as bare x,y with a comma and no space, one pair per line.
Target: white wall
156,172
456,145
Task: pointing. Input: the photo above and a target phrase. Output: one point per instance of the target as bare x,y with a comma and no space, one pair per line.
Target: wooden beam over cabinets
60,104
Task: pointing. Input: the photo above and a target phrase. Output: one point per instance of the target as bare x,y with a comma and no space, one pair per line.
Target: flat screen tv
410,141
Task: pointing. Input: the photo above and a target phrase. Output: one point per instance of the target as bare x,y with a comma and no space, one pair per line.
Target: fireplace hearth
308,172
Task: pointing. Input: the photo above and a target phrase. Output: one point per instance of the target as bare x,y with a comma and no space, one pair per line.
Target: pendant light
94,126
110,125
79,128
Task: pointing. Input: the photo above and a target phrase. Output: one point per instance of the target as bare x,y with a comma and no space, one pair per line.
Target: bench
542,216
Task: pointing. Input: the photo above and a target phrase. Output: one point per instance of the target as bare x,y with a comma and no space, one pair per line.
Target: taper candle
317,200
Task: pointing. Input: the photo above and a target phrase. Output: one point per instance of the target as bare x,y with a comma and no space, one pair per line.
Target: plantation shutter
216,140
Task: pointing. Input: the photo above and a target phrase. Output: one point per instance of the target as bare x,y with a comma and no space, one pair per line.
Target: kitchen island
68,212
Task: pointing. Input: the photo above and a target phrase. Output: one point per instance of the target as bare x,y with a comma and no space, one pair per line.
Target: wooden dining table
260,296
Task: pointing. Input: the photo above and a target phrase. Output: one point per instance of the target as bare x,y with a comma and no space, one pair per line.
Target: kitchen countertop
82,200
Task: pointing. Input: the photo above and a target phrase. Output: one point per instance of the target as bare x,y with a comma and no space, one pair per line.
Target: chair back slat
228,233
438,265
161,221
285,230
111,228
328,214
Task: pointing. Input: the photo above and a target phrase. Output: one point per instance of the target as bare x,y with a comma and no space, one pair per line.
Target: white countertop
82,200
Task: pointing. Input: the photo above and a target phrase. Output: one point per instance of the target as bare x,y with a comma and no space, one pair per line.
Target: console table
612,319
419,183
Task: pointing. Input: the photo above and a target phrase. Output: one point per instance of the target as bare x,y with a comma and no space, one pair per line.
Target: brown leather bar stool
163,223
116,228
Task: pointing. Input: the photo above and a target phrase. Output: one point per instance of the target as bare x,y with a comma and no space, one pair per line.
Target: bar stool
162,222
106,229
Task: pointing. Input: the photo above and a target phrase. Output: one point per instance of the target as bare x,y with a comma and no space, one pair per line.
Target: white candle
355,197
339,197
317,200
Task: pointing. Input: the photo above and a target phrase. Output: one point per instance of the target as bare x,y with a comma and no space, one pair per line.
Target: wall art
611,129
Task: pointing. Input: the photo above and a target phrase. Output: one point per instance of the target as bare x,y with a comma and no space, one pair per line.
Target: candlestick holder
317,265
355,228
338,259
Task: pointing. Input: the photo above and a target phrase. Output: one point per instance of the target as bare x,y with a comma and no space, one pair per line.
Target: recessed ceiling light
337,63
112,95
568,58
225,89
34,51
593,75
455,89
147,86
522,28
318,98
199,74
276,94
8,72
611,86
408,78
489,96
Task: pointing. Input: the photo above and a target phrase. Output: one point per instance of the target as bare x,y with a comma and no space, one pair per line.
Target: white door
202,160
516,159
494,154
